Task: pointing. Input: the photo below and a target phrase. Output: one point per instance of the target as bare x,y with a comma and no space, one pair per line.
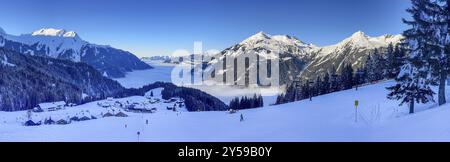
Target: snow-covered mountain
294,54
307,60
353,50
29,80
281,43
62,44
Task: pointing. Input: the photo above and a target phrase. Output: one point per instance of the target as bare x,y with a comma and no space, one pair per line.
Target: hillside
29,80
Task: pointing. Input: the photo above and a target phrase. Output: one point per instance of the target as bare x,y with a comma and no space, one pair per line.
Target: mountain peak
361,40
358,38
359,34
259,35
55,33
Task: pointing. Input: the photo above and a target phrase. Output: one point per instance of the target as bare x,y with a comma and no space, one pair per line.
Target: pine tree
390,62
325,87
234,103
414,80
446,28
369,69
359,77
437,41
261,101
252,102
305,91
411,87
334,81
280,99
380,64
316,88
375,67
347,79
398,59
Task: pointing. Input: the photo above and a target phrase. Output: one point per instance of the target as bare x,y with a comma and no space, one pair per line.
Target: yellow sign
356,103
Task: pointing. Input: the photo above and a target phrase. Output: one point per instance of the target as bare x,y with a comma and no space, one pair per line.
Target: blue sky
155,27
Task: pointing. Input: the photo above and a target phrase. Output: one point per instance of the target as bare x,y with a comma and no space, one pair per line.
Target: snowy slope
327,118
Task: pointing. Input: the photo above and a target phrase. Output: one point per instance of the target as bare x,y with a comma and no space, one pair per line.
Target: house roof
62,121
31,123
51,104
107,115
121,114
85,118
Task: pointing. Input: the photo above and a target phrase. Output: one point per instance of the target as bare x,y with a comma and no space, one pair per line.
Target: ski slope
327,118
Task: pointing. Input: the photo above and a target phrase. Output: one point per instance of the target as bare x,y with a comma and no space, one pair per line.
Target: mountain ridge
63,44
307,61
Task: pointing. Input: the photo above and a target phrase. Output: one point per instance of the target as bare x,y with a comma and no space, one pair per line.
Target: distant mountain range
62,44
26,81
307,61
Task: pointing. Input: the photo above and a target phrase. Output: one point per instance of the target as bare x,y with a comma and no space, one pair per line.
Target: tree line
382,63
246,102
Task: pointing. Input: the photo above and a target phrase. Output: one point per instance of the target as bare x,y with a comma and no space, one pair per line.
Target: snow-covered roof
51,104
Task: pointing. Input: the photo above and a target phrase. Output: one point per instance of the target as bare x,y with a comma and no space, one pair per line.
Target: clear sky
157,27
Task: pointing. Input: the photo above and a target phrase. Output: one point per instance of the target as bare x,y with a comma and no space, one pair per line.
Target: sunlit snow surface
326,118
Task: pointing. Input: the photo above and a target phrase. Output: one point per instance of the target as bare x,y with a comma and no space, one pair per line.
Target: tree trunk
441,95
411,107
